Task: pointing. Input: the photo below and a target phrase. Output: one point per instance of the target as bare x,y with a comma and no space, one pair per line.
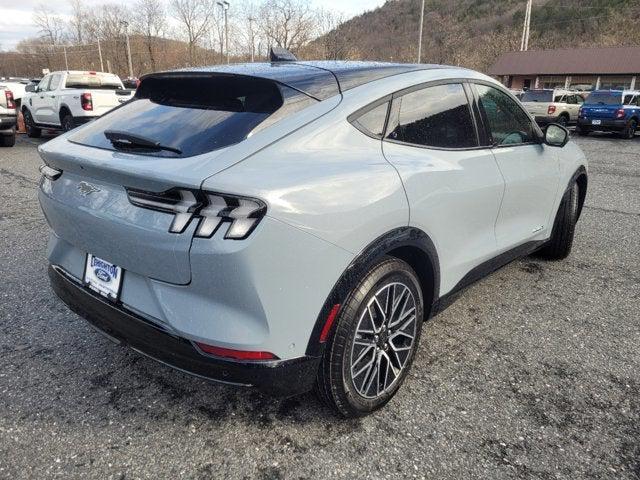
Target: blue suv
610,111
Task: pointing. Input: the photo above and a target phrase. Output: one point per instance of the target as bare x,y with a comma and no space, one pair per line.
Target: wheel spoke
384,339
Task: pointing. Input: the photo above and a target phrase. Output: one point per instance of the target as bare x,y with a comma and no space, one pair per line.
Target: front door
530,170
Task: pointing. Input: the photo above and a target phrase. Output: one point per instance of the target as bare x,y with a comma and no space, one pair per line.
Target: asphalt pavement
533,373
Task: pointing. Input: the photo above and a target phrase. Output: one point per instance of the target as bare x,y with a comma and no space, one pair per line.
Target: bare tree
149,21
287,23
196,16
50,25
333,39
78,21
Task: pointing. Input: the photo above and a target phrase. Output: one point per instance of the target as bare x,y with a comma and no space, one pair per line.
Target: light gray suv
291,224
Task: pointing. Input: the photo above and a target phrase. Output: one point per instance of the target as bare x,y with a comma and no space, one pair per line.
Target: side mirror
30,88
556,135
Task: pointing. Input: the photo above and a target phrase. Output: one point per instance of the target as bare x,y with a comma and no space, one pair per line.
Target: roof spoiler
279,54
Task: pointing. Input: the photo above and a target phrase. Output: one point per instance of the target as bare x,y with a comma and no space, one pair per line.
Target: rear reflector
235,354
329,323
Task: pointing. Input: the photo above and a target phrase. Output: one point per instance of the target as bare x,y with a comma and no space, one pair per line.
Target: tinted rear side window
436,116
195,114
372,122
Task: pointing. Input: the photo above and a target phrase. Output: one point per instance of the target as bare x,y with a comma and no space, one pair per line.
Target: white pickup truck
64,100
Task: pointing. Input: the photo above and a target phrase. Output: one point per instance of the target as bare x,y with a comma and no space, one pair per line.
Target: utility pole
225,7
66,62
126,36
524,44
251,20
420,35
100,55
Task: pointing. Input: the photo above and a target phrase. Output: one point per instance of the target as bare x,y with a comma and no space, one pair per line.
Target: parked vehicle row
597,111
290,225
64,100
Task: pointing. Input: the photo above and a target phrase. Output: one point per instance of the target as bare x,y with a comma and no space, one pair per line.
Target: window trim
485,121
422,86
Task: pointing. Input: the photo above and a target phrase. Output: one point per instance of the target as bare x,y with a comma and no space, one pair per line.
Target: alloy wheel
383,340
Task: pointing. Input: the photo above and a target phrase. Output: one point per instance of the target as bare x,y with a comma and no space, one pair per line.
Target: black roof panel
321,79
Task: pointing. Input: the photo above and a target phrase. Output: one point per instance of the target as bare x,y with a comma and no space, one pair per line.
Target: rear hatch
602,105
537,101
178,130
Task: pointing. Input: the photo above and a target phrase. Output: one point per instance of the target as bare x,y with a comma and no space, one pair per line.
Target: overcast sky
16,22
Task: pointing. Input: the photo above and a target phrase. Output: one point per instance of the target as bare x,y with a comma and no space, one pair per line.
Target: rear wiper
128,141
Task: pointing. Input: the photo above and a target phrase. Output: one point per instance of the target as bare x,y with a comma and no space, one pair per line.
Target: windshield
605,98
94,81
537,96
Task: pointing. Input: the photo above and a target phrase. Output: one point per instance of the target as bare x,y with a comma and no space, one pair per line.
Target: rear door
452,183
530,169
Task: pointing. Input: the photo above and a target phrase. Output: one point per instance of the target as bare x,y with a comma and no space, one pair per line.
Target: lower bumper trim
278,377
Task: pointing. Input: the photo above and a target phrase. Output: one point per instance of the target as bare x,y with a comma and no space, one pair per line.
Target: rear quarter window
194,114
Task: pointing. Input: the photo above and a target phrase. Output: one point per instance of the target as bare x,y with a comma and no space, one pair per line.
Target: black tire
336,383
563,120
8,140
561,241
630,130
67,121
29,125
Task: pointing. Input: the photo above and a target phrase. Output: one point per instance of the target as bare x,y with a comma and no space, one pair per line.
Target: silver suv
291,224
553,106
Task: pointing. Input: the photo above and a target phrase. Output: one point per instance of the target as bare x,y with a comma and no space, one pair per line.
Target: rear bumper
606,125
282,378
8,124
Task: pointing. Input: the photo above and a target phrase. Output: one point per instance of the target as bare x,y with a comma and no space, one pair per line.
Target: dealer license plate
103,277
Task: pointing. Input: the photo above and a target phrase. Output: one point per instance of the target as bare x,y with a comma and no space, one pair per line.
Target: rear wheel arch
409,244
582,180
64,110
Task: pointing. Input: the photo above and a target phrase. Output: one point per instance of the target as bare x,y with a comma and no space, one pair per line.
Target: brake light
580,112
211,210
235,354
8,95
551,110
620,113
86,101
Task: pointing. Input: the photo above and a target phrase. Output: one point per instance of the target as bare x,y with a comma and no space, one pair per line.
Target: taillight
211,210
551,110
580,112
235,354
8,95
620,113
86,101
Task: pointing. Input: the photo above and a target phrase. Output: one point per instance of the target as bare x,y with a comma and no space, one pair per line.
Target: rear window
539,96
95,81
605,98
192,115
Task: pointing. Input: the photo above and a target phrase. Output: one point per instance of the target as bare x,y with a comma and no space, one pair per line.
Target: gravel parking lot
533,373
